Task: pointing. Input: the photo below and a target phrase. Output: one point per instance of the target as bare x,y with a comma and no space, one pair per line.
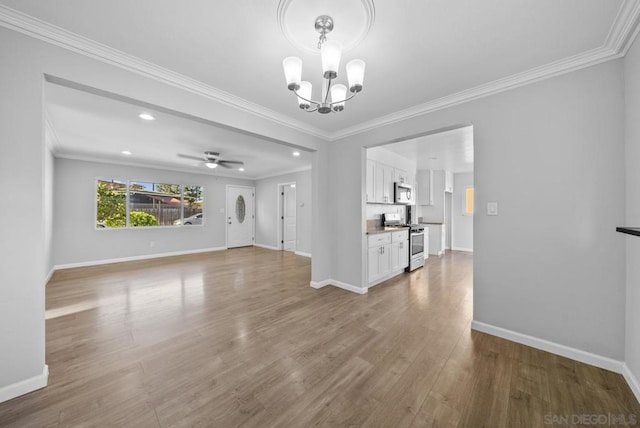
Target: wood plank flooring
238,338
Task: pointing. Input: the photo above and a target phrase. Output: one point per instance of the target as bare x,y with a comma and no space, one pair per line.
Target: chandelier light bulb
355,74
338,96
304,94
330,52
292,71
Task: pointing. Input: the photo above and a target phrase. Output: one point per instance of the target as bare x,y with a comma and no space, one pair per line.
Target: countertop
424,222
383,229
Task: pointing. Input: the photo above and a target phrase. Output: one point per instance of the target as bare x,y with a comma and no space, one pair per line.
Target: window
122,203
468,201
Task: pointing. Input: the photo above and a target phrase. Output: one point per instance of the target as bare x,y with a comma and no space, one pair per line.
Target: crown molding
623,32
33,27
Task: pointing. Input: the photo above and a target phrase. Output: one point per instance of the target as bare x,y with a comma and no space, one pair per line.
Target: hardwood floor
238,338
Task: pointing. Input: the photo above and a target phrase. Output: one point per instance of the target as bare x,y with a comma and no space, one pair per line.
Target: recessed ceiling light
146,116
240,169
293,186
296,153
126,152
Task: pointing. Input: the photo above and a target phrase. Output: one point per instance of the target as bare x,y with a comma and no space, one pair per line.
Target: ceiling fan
212,160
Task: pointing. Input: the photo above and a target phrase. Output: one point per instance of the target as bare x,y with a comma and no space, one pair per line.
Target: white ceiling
450,150
92,127
417,51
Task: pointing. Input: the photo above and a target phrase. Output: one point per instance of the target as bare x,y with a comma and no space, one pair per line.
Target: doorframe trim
280,232
253,214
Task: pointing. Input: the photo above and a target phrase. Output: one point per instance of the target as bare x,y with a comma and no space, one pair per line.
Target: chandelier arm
307,100
345,100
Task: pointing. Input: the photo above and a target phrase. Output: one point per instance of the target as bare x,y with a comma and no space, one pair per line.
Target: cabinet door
403,257
378,183
424,193
385,260
373,260
371,177
394,262
401,176
387,184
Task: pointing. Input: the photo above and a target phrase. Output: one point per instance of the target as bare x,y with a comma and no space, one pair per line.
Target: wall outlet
492,208
152,244
221,210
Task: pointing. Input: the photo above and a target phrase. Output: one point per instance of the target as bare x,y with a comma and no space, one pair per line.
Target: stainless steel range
416,247
416,239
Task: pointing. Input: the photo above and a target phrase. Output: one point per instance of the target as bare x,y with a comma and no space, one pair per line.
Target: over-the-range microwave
402,193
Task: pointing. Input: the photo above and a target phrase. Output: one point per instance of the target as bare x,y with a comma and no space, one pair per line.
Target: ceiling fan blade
192,157
230,161
223,164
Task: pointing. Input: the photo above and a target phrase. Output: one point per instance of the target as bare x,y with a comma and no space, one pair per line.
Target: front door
289,218
240,216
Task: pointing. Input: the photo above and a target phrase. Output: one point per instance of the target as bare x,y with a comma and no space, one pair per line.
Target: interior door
289,218
240,216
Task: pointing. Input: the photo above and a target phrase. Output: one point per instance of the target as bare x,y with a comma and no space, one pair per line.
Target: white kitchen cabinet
371,176
382,187
424,187
388,252
399,250
387,185
401,176
379,255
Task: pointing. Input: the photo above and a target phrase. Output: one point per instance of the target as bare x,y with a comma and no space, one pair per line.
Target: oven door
417,243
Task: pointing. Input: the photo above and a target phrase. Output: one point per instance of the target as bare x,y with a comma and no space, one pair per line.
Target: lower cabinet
388,252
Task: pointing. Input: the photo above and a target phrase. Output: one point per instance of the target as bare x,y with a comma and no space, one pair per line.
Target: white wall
22,255
632,218
76,239
552,155
267,210
48,177
462,225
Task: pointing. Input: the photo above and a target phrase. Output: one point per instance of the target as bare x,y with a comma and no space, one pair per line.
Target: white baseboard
632,381
386,277
268,247
555,348
300,253
25,386
339,284
49,275
135,258
468,250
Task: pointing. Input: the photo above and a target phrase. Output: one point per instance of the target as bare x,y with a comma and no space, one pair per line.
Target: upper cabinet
371,175
380,182
430,183
424,185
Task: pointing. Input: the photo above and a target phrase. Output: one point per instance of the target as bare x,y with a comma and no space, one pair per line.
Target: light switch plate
492,208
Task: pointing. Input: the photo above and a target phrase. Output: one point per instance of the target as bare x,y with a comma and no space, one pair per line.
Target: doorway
240,216
287,216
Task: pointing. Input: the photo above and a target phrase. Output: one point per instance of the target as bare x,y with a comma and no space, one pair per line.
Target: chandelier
330,53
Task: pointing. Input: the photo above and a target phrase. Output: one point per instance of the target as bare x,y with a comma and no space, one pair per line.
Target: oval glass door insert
240,209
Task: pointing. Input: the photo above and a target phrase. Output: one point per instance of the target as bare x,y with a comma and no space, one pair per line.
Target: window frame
128,226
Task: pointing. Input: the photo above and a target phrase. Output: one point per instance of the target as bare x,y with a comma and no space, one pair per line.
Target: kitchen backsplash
375,211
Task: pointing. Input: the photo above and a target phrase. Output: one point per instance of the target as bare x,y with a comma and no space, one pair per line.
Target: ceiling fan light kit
330,53
212,160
